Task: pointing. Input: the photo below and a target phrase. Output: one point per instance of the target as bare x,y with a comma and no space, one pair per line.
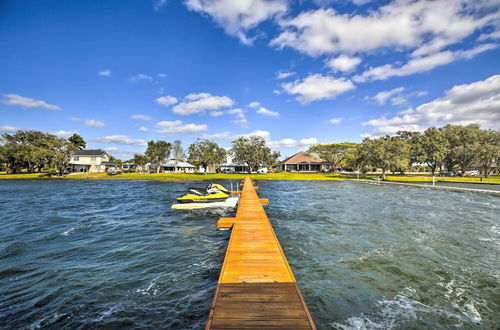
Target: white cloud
177,127
89,122
8,129
489,36
162,75
141,77
292,143
166,100
477,102
201,102
266,112
141,117
239,117
420,64
120,139
283,74
425,26
284,143
238,17
121,153
317,87
335,121
217,136
382,97
106,73
26,102
343,63
143,129
253,104
63,134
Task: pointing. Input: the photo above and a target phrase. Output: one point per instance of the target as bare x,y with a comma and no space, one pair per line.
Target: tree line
452,147
207,154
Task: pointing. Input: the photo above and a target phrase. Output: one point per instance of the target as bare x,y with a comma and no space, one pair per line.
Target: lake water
112,254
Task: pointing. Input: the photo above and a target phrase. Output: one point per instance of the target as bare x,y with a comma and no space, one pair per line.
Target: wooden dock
256,287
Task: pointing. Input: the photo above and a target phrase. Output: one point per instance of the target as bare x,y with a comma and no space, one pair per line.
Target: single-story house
230,167
171,166
90,161
304,162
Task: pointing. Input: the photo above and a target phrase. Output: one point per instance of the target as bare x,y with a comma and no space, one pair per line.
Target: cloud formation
201,102
238,17
26,102
266,112
166,100
284,143
477,102
120,139
141,117
423,26
89,122
317,87
177,127
8,129
105,73
343,63
141,77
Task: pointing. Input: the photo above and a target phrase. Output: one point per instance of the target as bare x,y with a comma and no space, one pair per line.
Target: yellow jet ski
213,195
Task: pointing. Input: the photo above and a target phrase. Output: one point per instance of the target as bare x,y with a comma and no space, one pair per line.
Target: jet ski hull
228,202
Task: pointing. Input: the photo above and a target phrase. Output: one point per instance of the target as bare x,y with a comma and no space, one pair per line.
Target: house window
98,167
76,158
93,159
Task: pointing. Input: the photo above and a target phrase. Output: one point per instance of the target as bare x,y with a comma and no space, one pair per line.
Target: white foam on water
152,288
395,313
108,312
75,228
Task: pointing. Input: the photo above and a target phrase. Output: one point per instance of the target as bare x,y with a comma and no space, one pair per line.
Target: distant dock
256,287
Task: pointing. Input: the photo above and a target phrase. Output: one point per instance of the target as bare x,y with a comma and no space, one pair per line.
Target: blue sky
295,72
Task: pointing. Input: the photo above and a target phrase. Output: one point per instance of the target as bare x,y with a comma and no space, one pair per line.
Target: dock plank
256,287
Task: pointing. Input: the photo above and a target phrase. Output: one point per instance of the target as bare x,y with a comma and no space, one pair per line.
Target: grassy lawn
268,176
209,176
428,178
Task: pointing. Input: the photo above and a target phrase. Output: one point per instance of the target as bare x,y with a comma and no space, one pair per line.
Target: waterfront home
230,167
179,166
90,161
304,162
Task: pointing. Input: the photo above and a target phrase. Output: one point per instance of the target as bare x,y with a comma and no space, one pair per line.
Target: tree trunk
383,174
486,172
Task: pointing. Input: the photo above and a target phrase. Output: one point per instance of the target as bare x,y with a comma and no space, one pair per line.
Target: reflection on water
112,254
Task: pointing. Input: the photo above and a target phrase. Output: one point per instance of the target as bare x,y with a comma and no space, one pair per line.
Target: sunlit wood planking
256,287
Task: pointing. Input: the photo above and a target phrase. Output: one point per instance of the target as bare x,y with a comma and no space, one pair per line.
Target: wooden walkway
256,287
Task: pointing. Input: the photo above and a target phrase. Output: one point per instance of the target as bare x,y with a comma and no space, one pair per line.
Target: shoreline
495,180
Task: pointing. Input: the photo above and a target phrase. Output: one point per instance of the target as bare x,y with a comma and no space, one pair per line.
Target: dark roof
303,158
97,152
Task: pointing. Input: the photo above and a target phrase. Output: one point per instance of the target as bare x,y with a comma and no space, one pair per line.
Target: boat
213,195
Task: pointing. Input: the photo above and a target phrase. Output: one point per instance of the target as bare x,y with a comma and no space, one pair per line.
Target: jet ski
213,195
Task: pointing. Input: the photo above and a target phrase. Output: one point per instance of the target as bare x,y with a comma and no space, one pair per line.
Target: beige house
91,161
304,162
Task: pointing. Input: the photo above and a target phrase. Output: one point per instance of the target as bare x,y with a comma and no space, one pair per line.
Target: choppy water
112,254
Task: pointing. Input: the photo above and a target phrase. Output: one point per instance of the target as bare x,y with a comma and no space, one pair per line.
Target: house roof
96,152
303,158
180,163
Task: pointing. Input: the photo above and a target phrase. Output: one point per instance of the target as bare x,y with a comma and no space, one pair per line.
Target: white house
230,167
91,161
171,166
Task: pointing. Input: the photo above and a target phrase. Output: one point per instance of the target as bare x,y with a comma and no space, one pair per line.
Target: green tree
434,148
158,152
487,150
140,162
461,142
206,154
77,141
385,154
334,153
415,141
253,152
